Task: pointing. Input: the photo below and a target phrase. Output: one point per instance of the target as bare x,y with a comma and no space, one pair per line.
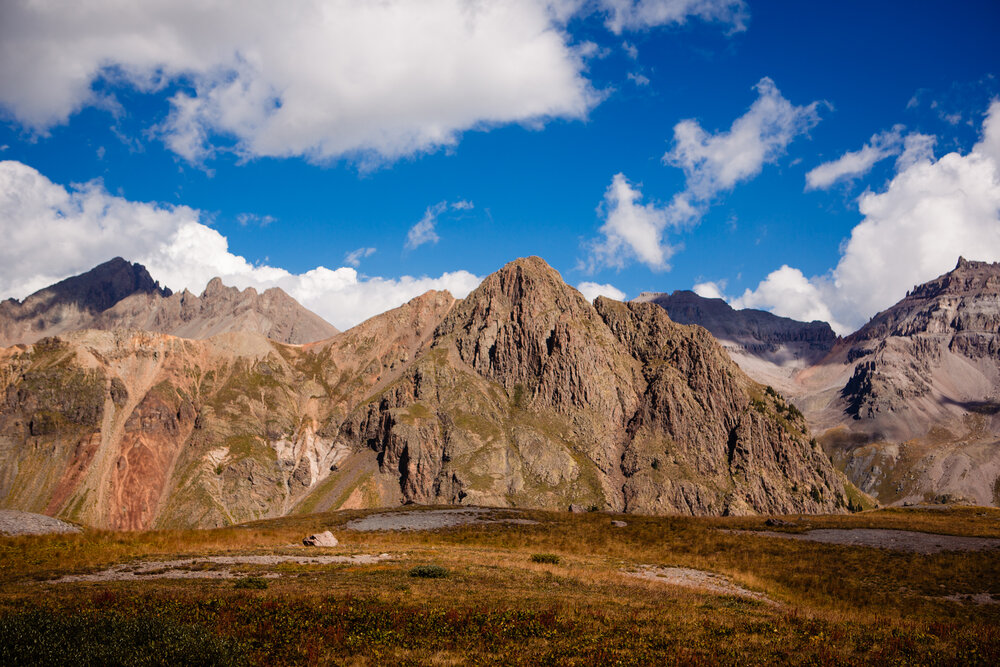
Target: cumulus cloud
710,289
51,232
631,230
932,212
591,291
319,78
323,79
857,163
712,163
644,14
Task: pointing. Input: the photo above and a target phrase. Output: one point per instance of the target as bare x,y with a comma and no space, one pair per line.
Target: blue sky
452,139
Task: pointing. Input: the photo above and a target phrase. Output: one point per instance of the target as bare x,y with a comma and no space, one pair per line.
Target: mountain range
521,394
909,405
119,294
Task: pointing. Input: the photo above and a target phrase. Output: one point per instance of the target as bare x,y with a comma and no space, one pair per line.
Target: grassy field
549,593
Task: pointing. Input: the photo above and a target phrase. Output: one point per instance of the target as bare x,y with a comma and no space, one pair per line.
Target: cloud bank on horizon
931,212
70,230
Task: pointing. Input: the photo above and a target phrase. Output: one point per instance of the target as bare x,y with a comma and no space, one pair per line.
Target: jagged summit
97,289
119,294
964,300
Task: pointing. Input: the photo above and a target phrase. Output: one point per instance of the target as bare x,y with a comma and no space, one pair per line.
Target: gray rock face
121,295
756,332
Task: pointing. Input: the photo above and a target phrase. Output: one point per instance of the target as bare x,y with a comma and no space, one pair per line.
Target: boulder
324,539
618,524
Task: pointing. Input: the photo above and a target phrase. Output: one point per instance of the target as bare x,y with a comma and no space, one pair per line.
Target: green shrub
545,558
429,572
256,583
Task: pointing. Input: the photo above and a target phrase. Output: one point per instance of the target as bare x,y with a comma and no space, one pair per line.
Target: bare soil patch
698,579
433,519
13,522
200,568
881,538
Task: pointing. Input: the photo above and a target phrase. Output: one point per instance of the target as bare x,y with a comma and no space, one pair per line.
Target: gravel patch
698,579
431,519
13,522
189,567
897,540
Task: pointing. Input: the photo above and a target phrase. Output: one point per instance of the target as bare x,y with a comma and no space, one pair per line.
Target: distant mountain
118,294
912,399
767,347
522,394
909,405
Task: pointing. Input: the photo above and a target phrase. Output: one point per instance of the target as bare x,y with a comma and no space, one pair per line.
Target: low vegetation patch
254,583
429,572
551,559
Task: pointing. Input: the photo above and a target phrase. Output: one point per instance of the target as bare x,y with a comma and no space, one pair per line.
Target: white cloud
713,163
323,79
638,79
462,205
51,232
644,14
857,163
423,232
355,256
591,291
317,78
710,289
787,292
252,218
630,229
916,148
631,50
932,212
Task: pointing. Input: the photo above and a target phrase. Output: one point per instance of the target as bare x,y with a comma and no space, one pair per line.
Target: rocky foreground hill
119,294
909,405
522,394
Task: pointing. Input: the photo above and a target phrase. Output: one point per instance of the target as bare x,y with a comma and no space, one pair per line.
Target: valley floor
420,586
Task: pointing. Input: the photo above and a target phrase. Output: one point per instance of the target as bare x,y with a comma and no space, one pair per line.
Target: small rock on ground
324,539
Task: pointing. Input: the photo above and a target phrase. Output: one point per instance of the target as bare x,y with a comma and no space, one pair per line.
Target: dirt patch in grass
896,540
686,577
188,569
433,519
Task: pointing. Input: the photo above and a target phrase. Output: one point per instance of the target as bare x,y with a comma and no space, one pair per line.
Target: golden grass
835,603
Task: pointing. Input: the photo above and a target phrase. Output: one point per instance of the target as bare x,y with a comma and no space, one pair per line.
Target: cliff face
118,294
522,394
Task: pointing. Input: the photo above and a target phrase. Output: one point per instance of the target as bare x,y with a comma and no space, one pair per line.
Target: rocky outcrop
522,394
120,295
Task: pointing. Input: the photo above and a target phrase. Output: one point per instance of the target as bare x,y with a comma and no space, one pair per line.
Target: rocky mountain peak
966,299
100,288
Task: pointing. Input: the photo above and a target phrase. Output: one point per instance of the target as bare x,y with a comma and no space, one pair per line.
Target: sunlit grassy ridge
497,604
